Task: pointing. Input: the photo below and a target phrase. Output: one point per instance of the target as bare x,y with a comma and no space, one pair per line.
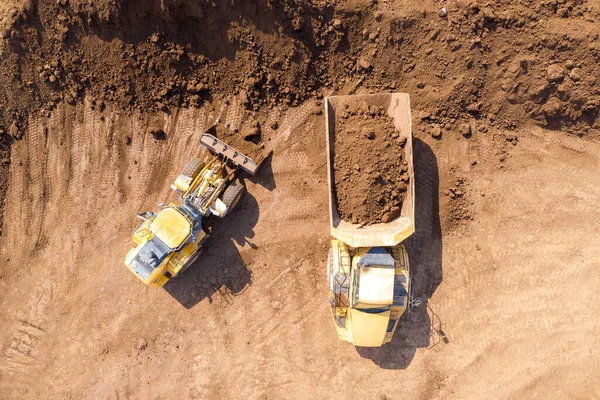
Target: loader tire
192,168
232,195
192,260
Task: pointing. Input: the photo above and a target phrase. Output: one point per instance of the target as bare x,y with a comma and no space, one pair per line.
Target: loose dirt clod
141,344
465,130
158,134
251,132
371,175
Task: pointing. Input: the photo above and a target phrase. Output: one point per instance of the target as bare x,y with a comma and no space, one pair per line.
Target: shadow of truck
425,254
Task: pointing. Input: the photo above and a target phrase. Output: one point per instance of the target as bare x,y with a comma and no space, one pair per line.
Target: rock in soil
251,132
142,344
555,73
465,130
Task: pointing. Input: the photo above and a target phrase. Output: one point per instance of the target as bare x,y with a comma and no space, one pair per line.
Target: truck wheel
232,195
193,167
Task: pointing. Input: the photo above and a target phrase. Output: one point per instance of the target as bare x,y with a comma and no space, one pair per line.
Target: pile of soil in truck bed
370,172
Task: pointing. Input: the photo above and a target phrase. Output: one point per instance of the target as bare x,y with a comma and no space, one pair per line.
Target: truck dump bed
397,106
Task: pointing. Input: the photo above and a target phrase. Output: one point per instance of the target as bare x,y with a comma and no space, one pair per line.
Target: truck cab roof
375,279
373,295
376,287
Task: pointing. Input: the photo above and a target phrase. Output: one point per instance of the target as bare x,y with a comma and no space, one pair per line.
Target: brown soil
505,102
490,63
370,173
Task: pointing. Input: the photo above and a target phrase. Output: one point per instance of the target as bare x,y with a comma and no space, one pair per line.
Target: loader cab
158,236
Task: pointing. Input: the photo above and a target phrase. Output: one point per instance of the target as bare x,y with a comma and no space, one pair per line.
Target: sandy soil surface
504,102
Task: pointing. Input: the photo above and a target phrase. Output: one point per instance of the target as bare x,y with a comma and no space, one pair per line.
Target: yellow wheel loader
368,268
168,242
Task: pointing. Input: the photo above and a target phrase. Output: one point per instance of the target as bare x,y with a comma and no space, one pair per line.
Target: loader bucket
237,157
246,155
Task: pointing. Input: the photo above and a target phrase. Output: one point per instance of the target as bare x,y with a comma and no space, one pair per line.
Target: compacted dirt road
507,185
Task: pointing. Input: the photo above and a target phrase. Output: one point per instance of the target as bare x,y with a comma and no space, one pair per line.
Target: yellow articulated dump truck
368,267
168,242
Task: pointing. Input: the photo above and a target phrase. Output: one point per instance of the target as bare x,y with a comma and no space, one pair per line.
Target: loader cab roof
171,227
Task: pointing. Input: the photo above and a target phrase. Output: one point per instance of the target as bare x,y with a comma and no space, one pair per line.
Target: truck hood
367,330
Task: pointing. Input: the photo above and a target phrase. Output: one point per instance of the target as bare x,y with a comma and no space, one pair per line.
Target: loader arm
218,190
198,178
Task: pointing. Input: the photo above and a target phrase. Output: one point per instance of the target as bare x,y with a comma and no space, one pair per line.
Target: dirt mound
153,56
370,173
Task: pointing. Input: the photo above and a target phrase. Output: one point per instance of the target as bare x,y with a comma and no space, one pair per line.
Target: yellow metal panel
179,259
182,182
160,282
198,179
141,233
171,227
367,330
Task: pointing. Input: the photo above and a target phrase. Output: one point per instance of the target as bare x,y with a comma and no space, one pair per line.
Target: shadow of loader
219,269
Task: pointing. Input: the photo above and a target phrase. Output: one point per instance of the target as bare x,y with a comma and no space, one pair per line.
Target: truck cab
368,292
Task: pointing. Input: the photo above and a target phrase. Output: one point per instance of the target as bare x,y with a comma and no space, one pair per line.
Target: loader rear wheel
189,262
232,195
192,168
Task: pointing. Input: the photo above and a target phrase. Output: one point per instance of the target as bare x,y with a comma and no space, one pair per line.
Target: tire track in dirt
18,190
39,191
296,208
529,305
22,359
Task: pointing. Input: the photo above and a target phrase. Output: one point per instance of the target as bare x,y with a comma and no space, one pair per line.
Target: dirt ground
505,102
